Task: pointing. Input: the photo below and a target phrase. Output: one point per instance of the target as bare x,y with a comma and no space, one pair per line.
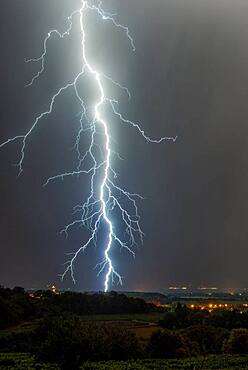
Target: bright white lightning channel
106,198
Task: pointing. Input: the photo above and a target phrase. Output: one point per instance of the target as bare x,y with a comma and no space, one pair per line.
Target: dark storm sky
188,77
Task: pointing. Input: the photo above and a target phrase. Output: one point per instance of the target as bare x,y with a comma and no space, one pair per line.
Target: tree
208,338
237,343
69,342
164,344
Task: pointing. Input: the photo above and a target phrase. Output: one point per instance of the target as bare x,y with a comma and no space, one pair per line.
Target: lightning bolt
106,199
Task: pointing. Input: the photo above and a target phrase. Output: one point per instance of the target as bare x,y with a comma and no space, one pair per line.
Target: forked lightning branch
108,202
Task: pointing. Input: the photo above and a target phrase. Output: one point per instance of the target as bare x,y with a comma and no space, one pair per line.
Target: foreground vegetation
72,331
204,363
23,361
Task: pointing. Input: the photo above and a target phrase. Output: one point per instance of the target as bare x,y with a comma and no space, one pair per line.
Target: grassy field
143,332
146,317
130,320
208,363
143,325
20,361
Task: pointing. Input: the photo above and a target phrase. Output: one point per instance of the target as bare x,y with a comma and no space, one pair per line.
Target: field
145,317
208,363
22,361
16,361
143,325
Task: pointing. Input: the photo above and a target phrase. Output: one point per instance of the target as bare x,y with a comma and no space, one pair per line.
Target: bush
210,362
17,340
208,338
164,344
237,343
183,317
22,361
69,342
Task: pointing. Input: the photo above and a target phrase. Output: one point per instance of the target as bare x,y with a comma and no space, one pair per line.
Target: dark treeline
16,305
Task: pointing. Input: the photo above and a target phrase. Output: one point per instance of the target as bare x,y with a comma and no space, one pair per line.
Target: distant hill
151,297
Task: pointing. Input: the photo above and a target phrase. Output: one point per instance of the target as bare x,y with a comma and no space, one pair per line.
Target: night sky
188,77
